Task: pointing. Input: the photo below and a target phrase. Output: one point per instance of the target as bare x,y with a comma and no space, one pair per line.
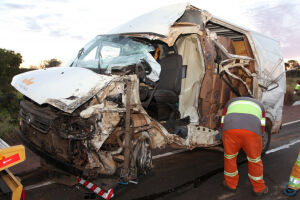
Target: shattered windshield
105,52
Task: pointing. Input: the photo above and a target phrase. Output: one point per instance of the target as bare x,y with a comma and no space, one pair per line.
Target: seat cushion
171,73
166,96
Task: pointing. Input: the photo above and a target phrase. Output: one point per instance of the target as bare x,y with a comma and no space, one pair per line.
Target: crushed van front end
91,140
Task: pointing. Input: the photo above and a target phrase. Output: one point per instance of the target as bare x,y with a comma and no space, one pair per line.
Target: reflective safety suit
297,87
294,182
243,123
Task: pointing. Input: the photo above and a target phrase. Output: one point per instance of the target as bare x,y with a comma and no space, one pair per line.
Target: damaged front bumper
59,163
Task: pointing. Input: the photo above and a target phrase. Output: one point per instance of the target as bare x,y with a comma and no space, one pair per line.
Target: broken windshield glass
111,51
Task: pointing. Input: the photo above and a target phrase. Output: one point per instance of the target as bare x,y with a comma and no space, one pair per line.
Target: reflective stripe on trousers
256,178
255,160
295,180
251,143
230,156
231,174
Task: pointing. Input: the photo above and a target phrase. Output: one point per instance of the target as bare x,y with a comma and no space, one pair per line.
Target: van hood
65,88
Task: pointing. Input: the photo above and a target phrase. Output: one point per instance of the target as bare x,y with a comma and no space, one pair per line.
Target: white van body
123,99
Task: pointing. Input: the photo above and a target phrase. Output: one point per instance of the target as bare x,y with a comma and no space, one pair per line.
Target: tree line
292,64
10,62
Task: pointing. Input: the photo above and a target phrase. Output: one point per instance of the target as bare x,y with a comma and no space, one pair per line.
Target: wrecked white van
161,79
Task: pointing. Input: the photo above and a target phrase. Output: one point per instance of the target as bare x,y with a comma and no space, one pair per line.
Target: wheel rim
144,157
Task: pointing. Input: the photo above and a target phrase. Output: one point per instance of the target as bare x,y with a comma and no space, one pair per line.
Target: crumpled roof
267,52
158,21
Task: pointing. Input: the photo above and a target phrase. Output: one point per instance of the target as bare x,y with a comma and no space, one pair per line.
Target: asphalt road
196,174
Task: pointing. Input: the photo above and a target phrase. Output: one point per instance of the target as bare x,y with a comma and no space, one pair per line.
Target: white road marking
292,122
285,146
169,153
31,187
226,196
296,103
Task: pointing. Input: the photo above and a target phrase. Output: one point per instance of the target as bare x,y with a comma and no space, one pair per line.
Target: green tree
50,63
9,97
286,66
293,63
9,67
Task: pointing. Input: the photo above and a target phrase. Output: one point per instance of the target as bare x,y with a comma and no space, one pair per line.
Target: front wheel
143,154
266,139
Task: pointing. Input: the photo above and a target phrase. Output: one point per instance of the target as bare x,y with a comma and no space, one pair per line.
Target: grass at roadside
291,82
7,124
9,113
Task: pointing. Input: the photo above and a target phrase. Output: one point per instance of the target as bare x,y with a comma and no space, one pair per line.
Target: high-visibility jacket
244,113
297,87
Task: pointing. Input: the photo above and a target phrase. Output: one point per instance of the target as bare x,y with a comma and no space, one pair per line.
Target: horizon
44,29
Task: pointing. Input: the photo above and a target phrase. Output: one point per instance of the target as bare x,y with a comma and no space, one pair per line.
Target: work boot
289,192
264,192
224,184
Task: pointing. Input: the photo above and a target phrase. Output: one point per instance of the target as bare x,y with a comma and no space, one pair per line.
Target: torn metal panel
206,16
158,135
106,112
200,136
180,29
102,162
79,83
139,120
229,55
192,16
228,64
99,108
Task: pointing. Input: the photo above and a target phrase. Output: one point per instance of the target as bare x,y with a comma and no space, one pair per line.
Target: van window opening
110,51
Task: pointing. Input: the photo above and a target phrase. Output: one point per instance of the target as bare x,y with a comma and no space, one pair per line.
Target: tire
143,154
266,139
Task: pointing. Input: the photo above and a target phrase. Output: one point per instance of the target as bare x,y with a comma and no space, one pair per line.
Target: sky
45,29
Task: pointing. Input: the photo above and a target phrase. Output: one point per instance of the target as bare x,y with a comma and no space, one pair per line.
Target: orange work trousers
251,143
